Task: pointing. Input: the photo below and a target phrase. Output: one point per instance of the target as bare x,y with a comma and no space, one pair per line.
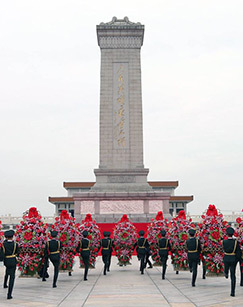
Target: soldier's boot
85,274
69,273
204,273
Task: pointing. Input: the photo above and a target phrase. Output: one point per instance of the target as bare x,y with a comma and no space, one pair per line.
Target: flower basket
154,235
178,232
212,231
68,235
239,232
31,236
94,237
124,238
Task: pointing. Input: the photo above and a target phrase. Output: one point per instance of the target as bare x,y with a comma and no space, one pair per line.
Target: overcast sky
192,84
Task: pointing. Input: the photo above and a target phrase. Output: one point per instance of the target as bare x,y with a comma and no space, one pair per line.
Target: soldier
9,251
83,249
110,251
193,254
164,248
141,244
105,245
52,251
232,254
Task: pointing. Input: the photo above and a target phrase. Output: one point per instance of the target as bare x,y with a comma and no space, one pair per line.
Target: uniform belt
105,248
85,249
10,256
141,247
194,251
163,248
52,253
230,254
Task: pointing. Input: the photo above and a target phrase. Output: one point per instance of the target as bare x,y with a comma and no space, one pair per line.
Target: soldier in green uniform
164,248
193,254
105,245
141,245
83,249
232,254
9,251
52,251
111,245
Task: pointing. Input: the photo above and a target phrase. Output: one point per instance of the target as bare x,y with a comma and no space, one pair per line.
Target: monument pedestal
110,206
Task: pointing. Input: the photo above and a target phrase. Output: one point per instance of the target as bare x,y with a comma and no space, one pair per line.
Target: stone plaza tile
123,286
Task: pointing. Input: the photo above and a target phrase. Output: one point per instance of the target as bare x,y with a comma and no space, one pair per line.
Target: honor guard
232,254
52,252
164,248
193,254
141,244
105,245
9,252
83,249
110,251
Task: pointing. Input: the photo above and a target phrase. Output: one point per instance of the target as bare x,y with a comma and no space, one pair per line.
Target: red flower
238,220
63,238
28,236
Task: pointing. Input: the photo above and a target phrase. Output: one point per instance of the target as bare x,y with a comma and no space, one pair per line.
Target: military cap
105,234
54,233
230,231
192,232
141,233
163,232
85,233
108,233
9,233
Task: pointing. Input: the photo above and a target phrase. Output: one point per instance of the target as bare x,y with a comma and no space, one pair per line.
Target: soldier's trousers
105,259
147,261
241,271
193,267
86,266
163,259
56,264
10,272
231,266
109,261
142,262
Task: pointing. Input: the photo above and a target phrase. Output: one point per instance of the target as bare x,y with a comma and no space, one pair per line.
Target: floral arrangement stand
154,229
68,234
124,238
178,232
212,232
94,237
31,236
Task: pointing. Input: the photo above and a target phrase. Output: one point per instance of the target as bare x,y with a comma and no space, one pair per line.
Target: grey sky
192,72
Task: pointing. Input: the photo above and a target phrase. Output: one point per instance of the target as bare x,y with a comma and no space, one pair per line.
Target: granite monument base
108,207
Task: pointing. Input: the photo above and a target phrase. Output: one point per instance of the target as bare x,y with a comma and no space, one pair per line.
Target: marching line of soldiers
232,255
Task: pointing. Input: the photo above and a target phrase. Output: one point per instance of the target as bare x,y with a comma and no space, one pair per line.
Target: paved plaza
123,286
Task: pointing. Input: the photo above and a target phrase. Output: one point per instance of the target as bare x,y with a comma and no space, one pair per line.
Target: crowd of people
232,255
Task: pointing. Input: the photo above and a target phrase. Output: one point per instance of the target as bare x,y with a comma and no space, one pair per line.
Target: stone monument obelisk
121,125
121,179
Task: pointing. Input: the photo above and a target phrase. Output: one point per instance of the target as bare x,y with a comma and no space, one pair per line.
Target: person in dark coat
110,251
105,252
52,252
141,245
164,248
232,255
83,249
9,251
193,253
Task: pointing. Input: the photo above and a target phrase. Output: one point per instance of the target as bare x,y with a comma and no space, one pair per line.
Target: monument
121,180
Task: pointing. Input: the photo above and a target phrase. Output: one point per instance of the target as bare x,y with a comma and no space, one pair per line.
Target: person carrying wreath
52,252
142,245
164,248
105,252
232,254
84,250
193,254
8,254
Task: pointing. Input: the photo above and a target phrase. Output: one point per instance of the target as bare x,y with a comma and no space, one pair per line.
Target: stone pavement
123,286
